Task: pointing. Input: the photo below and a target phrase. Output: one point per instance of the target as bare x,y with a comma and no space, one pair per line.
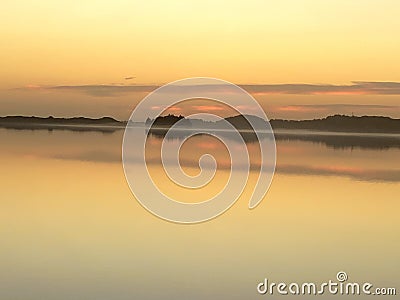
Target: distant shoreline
337,124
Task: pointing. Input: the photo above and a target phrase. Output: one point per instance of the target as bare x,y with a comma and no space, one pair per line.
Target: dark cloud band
357,87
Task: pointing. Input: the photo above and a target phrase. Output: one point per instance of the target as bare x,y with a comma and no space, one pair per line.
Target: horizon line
124,121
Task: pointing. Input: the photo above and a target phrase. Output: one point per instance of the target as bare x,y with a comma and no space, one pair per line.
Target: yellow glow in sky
87,41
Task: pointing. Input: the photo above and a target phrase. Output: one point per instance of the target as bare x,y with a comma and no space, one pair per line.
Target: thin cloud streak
356,88
328,107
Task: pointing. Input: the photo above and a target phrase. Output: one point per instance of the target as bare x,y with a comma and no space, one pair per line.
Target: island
334,123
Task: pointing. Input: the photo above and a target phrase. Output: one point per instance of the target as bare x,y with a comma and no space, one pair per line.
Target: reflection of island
341,140
334,140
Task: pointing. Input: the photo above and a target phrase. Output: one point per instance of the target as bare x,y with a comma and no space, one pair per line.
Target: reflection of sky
71,229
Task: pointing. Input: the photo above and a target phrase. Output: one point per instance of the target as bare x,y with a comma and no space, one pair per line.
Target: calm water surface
71,229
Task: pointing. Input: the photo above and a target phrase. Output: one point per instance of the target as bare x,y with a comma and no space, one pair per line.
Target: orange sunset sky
300,59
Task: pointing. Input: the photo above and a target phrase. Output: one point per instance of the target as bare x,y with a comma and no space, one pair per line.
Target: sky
298,58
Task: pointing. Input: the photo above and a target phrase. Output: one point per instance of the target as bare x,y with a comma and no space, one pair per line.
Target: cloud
208,108
108,90
331,107
355,88
100,90
169,109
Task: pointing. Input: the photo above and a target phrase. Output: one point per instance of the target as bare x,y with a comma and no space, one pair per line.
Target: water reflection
71,229
330,139
181,134
365,158
343,140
